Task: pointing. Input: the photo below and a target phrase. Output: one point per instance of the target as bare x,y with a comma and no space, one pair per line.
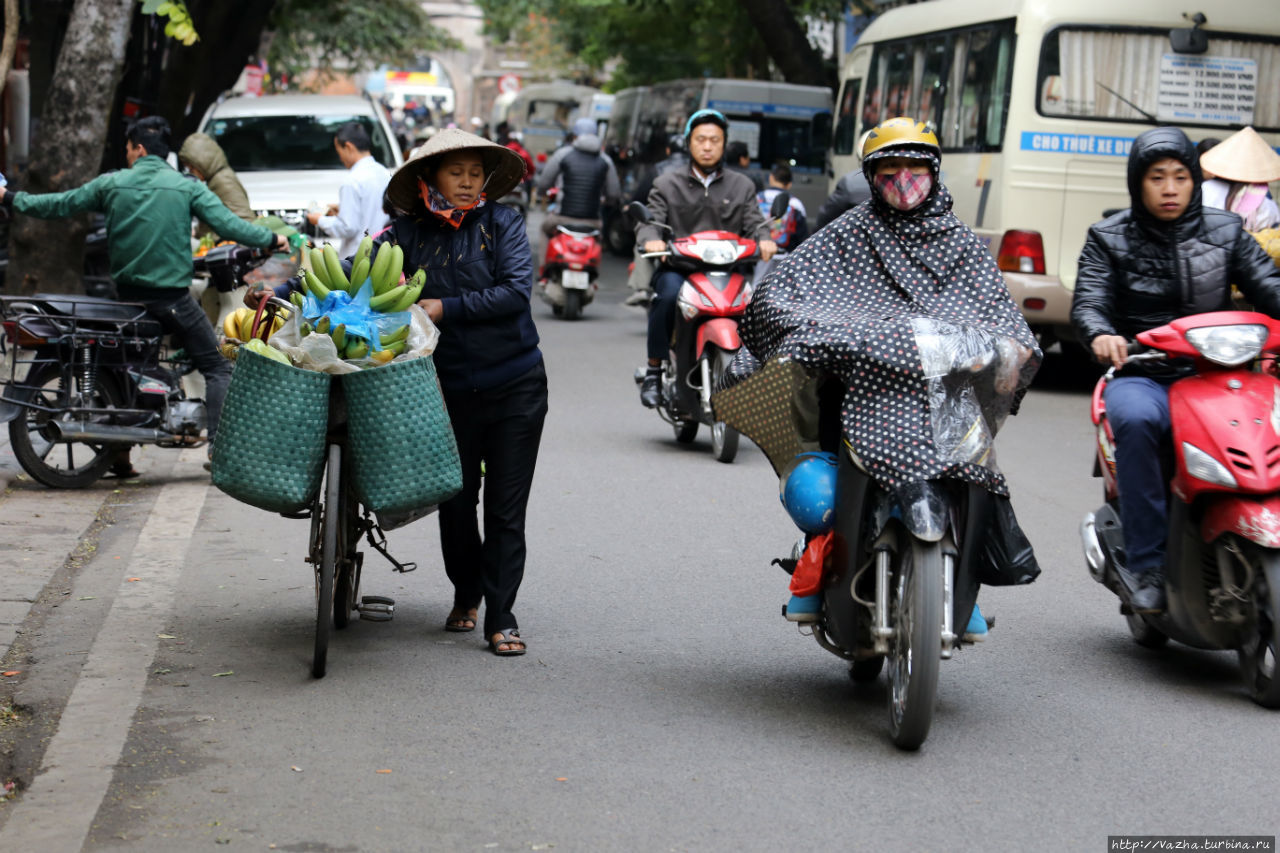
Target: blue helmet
705,117
809,492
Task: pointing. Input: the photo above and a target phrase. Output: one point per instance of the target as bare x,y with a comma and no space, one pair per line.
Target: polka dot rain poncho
910,311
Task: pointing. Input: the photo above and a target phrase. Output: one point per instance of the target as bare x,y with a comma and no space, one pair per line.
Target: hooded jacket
202,152
1137,272
586,175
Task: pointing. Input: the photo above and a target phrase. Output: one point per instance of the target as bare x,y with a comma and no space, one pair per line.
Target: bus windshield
297,142
1133,75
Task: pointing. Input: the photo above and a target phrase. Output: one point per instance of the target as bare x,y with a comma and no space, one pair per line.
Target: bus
777,121
544,112
1036,104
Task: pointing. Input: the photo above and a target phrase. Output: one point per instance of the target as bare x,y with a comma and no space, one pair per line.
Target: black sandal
460,624
123,472
509,638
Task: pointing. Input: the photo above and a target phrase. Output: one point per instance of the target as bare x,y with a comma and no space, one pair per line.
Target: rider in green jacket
148,208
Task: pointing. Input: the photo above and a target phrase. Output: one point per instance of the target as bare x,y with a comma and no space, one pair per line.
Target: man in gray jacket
586,175
704,197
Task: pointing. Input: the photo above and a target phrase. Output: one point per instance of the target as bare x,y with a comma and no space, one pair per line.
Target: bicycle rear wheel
332,515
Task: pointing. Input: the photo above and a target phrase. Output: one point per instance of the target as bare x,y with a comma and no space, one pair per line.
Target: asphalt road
164,701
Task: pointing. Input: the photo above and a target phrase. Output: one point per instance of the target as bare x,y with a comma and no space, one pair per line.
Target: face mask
903,190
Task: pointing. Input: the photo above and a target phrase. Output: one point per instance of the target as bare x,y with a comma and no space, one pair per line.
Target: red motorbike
1222,563
717,268
570,270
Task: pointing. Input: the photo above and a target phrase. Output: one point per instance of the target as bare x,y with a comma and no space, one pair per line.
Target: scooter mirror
638,211
780,204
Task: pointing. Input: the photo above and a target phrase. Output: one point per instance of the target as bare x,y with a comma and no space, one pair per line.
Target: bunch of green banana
400,297
361,263
387,264
326,273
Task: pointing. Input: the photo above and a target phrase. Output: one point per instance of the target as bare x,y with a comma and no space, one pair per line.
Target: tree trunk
787,42
10,40
67,149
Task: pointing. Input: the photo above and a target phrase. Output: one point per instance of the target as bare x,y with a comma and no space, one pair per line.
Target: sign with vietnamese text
1207,89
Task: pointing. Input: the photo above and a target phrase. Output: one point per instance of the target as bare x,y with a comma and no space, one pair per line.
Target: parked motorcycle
570,270
717,270
1222,561
91,376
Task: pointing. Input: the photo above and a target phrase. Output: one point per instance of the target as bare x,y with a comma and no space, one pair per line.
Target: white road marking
55,814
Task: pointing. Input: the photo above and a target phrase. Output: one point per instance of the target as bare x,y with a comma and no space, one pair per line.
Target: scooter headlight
690,301
1228,345
718,252
1204,467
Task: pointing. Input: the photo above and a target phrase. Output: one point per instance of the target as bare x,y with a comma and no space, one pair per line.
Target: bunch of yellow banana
239,324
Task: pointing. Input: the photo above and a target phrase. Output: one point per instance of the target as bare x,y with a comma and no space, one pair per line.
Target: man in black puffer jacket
1162,259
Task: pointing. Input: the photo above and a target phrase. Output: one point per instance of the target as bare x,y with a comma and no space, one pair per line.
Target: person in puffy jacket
1165,257
587,176
205,159
479,282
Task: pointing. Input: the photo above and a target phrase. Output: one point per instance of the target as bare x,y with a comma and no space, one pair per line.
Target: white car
281,147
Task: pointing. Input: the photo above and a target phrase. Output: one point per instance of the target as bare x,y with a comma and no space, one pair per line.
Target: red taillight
21,336
1021,251
1035,303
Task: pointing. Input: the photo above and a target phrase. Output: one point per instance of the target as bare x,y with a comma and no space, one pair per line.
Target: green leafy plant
180,28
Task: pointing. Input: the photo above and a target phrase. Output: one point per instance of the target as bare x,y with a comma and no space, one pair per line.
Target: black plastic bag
1007,558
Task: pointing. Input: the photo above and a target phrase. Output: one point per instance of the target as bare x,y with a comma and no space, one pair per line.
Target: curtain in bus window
846,118
998,95
930,61
1128,63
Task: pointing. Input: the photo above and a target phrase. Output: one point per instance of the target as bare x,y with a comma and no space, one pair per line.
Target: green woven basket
400,438
269,452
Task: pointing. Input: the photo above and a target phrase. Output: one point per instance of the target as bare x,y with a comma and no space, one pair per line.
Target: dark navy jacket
483,274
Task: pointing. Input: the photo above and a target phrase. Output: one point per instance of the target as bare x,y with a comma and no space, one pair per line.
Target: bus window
978,103
847,121
930,64
1134,75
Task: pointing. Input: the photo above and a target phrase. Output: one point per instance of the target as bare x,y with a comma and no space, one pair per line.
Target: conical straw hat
1243,157
503,167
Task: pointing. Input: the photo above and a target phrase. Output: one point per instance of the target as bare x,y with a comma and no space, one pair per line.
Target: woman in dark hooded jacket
479,281
1165,257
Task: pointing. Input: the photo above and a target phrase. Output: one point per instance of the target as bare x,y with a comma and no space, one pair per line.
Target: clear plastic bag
317,351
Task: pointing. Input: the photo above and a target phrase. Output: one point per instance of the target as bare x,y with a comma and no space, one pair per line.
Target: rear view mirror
780,204
638,211
1194,40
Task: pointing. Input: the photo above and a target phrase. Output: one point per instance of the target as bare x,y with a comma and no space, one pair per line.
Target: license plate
575,279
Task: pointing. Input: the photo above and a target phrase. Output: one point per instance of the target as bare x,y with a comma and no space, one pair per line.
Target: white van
1036,104
281,147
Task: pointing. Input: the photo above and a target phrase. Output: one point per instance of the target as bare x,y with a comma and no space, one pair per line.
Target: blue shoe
976,630
803,608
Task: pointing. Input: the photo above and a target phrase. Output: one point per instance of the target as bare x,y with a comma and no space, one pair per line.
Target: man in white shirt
359,209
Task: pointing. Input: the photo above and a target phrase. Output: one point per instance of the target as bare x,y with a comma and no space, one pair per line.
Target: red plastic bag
807,578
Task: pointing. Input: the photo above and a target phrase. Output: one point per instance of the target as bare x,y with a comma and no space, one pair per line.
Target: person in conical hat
1241,166
479,283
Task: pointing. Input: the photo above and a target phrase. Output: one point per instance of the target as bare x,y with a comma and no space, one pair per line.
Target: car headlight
1228,345
1204,467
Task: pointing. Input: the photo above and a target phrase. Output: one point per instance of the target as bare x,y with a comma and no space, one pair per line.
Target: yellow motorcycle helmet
900,132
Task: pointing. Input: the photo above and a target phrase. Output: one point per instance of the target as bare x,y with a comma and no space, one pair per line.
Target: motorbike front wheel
1258,656
60,465
724,438
916,648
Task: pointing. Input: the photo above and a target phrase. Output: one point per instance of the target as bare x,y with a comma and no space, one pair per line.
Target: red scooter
717,268
570,270
1222,562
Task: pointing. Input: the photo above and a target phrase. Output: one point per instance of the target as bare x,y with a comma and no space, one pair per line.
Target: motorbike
570,270
717,270
1222,560
89,377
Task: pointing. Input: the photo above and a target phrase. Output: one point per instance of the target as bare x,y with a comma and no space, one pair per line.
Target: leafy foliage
340,35
180,27
653,39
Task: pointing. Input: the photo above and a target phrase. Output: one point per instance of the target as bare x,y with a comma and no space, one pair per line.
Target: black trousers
501,427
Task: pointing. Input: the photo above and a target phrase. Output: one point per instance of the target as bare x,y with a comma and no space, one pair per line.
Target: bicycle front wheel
330,524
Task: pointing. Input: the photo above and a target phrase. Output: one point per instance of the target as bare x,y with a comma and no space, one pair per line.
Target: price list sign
1207,89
